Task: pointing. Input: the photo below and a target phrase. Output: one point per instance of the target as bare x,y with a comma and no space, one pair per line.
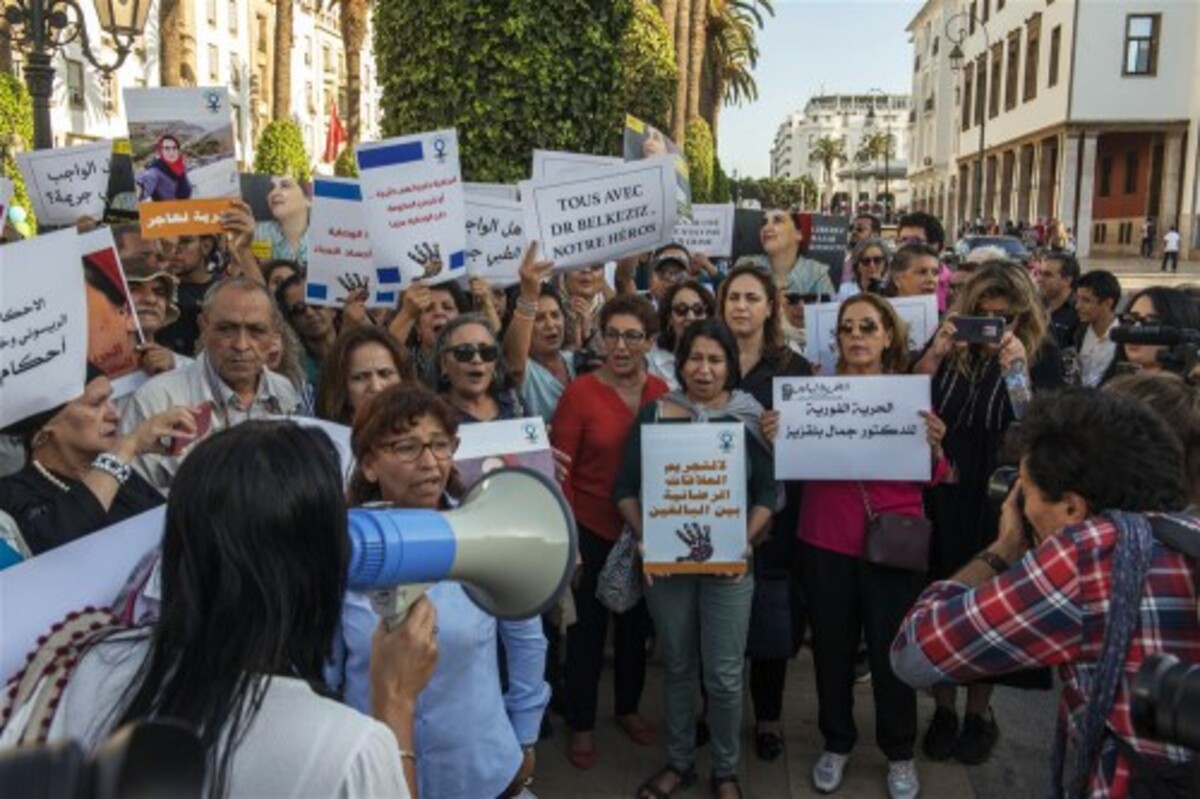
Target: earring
39,439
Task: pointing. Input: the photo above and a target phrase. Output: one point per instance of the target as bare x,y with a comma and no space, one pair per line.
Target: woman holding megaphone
404,442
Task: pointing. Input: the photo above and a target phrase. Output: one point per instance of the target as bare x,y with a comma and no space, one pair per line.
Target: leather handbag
894,540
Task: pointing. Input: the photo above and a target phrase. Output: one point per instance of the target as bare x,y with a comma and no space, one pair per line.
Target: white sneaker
902,782
827,773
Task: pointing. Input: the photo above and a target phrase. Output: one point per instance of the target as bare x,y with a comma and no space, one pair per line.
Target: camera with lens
999,486
1166,701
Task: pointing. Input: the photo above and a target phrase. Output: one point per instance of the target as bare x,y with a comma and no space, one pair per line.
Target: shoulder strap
866,500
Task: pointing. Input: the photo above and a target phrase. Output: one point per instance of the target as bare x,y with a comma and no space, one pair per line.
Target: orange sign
168,218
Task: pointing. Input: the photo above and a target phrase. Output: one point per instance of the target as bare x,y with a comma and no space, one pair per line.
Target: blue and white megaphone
512,543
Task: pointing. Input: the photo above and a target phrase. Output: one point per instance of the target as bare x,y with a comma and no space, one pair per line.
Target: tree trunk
176,51
714,112
670,10
683,53
698,41
354,36
6,53
281,89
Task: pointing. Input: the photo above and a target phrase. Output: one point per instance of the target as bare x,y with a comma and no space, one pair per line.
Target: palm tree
353,18
281,86
828,152
683,53
731,56
176,65
670,10
698,42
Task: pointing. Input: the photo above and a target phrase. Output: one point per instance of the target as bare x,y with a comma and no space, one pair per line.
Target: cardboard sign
413,197
67,182
694,498
182,151
852,428
488,446
495,239
170,218
642,140
341,259
43,325
278,203
826,238
598,216
114,333
709,231
121,205
820,326
551,164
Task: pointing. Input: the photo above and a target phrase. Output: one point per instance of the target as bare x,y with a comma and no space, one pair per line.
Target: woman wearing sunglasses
972,394
593,419
869,265
683,304
469,373
1157,305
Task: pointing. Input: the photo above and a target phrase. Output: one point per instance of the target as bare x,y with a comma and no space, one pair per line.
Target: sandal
683,780
640,731
716,782
768,746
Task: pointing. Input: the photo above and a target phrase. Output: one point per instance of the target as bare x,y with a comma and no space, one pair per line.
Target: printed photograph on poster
852,428
825,241
43,324
642,140
182,147
495,239
66,183
341,260
552,164
121,204
709,231
593,217
114,333
488,446
919,314
281,206
694,498
413,198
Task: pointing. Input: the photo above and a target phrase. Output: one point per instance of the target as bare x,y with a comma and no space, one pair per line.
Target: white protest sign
488,446
709,232
67,182
413,197
340,257
497,191
43,325
91,570
604,214
551,164
852,428
694,497
6,193
495,239
820,326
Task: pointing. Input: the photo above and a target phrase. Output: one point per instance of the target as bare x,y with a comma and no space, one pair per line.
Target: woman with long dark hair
683,304
362,363
166,176
1156,305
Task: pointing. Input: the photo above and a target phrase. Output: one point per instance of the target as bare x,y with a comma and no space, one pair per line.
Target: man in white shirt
1096,296
228,383
1171,249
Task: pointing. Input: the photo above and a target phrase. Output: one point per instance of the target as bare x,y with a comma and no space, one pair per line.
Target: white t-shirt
1095,355
1171,241
299,744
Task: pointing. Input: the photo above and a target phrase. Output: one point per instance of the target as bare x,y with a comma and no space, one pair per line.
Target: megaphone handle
392,604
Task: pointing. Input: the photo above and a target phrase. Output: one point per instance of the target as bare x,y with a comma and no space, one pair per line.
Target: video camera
1166,701
1183,355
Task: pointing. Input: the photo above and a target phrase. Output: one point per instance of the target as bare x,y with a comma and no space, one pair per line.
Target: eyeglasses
465,353
867,327
408,450
630,337
1134,319
873,260
696,309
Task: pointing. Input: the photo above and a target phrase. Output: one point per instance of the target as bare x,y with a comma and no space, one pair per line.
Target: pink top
832,515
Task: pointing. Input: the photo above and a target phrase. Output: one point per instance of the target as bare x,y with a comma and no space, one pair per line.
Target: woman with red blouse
592,421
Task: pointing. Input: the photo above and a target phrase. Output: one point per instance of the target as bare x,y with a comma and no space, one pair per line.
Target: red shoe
640,731
582,759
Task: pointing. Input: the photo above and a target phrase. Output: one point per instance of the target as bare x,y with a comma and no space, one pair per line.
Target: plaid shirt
1050,610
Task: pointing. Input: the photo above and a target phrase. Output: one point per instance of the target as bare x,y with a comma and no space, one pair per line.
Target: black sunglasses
465,353
696,309
875,260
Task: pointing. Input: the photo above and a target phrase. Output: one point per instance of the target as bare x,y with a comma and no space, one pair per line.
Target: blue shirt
541,389
468,735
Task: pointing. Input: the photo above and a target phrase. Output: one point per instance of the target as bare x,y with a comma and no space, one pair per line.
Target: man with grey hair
228,383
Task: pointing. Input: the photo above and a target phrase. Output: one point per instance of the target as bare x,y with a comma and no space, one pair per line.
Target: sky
814,47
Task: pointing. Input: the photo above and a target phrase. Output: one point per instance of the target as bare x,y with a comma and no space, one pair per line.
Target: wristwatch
998,564
113,466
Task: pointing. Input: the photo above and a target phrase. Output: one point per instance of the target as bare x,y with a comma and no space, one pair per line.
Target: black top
49,517
181,335
1065,324
784,364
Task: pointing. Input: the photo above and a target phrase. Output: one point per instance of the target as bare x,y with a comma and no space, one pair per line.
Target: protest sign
495,239
852,428
497,191
919,313
43,325
488,446
551,164
121,203
413,197
694,498
6,193
747,232
66,183
596,216
709,231
646,141
280,205
182,151
825,241
88,572
341,258
114,333
170,218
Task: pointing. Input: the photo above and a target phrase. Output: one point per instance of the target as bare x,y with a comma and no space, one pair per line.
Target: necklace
44,472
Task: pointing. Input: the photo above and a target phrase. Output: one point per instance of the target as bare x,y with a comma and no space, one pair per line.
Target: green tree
730,57
721,185
281,151
16,119
828,152
698,148
346,166
510,77
650,75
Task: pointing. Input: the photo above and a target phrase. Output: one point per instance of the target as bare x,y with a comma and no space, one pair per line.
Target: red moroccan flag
336,136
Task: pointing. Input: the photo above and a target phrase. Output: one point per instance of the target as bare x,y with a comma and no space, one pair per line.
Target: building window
235,74
936,40
971,25
999,5
981,85
214,64
1014,69
968,86
307,51
262,33
233,16
212,12
996,77
326,59
1131,172
1055,47
1033,44
75,84
1141,44
109,93
1106,167
987,10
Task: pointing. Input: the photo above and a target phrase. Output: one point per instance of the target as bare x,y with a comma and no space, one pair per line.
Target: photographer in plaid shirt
1083,454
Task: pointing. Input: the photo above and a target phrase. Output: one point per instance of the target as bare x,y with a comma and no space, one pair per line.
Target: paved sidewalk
1138,273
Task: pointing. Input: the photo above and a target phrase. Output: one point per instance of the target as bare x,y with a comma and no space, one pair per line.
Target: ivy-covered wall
16,116
650,73
698,147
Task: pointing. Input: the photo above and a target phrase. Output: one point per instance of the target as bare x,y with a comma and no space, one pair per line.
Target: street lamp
958,35
41,27
887,152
